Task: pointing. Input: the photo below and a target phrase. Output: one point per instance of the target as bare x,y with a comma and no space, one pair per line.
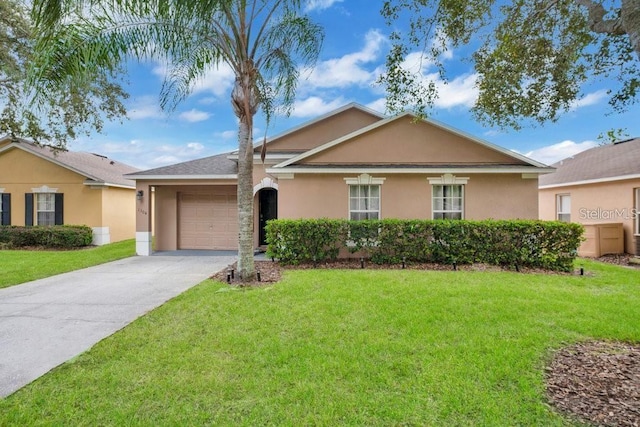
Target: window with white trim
447,196
563,207
364,197
45,209
364,202
448,201
636,213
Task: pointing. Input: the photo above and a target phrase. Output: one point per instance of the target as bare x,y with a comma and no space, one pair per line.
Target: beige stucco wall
608,202
323,131
403,141
407,196
21,172
118,212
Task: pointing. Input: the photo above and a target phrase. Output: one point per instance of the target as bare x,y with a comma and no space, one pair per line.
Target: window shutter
59,209
6,209
28,209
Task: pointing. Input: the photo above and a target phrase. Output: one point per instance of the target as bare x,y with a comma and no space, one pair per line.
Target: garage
208,219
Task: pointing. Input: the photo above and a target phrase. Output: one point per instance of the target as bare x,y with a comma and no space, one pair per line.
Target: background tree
264,42
56,116
532,59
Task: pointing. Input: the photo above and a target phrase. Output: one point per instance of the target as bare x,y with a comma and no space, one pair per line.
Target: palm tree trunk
246,267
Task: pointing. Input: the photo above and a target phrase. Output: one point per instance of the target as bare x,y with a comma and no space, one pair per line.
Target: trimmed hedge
55,236
520,243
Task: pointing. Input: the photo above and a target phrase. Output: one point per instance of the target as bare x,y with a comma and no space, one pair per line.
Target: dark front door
268,208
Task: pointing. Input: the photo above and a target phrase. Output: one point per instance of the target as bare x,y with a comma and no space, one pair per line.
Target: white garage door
208,220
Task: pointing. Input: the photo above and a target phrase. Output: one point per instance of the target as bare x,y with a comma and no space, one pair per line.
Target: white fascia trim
108,184
391,170
179,177
591,181
273,157
447,128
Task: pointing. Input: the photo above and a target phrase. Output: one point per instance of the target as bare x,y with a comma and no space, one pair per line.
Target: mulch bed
270,271
597,382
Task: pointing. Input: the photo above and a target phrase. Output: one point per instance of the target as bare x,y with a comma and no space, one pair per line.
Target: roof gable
323,129
603,163
404,140
97,169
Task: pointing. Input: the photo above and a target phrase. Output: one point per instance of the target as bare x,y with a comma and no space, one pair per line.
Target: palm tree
265,42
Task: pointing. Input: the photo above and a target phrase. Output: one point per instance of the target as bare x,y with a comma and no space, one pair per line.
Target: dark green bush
310,240
56,236
519,243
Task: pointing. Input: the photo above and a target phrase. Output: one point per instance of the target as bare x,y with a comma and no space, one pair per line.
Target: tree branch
597,23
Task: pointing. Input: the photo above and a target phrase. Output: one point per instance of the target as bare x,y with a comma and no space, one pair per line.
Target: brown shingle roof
607,161
96,168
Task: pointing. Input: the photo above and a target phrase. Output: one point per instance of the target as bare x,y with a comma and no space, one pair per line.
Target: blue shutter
28,209
59,209
6,209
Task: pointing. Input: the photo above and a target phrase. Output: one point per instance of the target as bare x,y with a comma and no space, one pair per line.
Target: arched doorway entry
267,209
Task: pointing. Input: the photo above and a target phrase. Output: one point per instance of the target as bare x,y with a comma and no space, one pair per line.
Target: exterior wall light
139,194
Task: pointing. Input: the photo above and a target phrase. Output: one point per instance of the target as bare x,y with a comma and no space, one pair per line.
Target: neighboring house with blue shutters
40,186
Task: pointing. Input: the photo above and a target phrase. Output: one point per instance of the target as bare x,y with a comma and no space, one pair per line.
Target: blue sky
352,57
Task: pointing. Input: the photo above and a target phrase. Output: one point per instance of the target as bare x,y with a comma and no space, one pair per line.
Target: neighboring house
596,186
39,186
351,163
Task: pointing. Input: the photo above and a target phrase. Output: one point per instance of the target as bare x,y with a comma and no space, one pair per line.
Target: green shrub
519,243
57,236
310,240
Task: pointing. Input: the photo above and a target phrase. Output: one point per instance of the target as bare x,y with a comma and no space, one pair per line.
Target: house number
142,211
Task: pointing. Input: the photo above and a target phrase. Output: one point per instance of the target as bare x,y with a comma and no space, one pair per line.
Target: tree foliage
57,114
533,57
264,42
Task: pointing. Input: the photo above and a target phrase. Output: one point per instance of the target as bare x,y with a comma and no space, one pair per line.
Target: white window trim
558,205
37,209
364,179
462,205
448,179
637,212
44,189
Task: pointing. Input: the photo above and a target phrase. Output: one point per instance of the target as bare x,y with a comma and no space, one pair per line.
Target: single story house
42,186
350,163
597,186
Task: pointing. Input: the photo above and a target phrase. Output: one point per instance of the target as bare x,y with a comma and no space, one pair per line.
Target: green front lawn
23,266
341,348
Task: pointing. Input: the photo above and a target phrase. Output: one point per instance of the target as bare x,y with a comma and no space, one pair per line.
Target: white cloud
349,69
194,116
218,80
589,99
145,107
226,135
320,4
315,106
379,105
556,152
461,91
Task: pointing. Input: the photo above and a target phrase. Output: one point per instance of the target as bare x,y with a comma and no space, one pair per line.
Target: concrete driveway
47,322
